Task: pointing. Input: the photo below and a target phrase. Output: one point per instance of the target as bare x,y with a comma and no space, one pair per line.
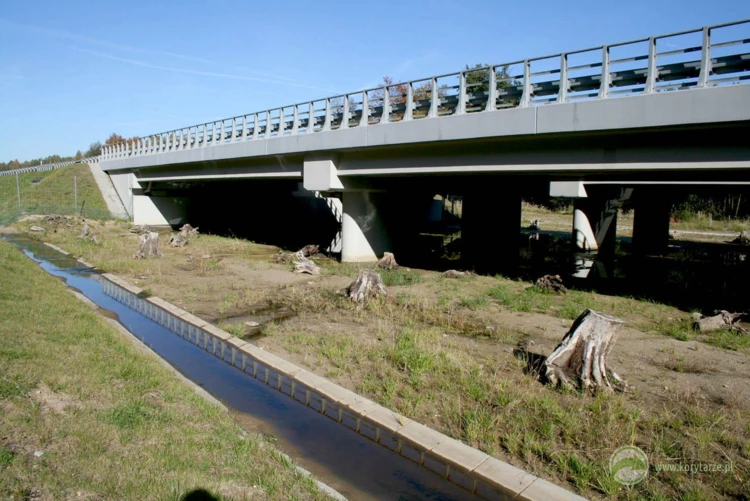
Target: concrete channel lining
467,467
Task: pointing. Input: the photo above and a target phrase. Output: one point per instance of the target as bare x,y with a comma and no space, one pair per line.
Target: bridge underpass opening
265,211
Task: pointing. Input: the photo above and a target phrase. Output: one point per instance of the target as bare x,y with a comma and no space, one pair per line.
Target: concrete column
490,229
364,236
595,222
651,221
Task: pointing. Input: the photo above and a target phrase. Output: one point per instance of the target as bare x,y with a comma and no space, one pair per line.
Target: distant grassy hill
52,193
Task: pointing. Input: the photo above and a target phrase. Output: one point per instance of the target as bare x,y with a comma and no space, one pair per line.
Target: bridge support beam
490,229
651,220
364,236
159,211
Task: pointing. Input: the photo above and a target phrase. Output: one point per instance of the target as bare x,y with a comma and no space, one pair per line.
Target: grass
440,352
129,428
52,193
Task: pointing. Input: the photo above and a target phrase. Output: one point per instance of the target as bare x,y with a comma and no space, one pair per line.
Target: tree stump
141,229
304,265
148,246
388,261
187,232
367,286
721,320
551,283
87,234
310,250
742,239
177,240
582,353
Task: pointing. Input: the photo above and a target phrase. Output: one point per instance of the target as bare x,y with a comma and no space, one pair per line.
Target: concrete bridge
596,124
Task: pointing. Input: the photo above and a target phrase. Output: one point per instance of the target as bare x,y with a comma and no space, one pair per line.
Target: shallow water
356,467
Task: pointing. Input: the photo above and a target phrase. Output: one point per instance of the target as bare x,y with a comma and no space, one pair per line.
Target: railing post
256,125
204,138
491,90
434,98
221,141
244,129
562,93
386,106
409,101
282,124
345,113
295,120
234,129
269,126
365,119
461,106
605,80
327,119
526,95
311,118
705,58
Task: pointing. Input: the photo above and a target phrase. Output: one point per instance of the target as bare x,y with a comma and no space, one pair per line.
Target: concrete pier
364,236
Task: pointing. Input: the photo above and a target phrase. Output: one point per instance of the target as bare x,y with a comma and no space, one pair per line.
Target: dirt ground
444,352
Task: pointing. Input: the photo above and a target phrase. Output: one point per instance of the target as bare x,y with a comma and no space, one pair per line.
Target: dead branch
148,246
720,320
388,261
582,354
141,229
367,285
456,274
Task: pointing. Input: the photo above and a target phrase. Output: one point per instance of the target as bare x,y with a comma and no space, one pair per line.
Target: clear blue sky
72,72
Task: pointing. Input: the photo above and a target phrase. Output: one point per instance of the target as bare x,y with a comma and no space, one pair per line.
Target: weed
400,277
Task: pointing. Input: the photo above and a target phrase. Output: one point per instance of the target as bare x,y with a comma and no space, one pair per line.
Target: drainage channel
351,464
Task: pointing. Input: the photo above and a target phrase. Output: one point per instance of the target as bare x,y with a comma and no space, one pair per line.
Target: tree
94,149
79,155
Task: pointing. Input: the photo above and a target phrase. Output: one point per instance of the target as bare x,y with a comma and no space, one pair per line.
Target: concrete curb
465,466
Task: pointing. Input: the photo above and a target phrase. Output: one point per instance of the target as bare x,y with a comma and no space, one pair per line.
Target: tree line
93,151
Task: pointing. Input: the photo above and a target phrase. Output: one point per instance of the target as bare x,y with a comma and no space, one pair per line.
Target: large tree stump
148,246
304,265
367,286
388,261
721,320
582,354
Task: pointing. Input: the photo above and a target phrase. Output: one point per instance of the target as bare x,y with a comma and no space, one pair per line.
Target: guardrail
623,69
47,167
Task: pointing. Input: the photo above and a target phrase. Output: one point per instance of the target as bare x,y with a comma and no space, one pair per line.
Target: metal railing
48,167
642,66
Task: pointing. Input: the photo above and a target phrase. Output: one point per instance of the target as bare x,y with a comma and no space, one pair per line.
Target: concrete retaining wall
469,468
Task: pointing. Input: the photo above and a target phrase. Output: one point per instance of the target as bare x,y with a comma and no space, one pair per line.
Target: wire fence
69,193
